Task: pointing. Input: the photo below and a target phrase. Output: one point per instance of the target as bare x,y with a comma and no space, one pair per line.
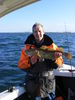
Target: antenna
68,45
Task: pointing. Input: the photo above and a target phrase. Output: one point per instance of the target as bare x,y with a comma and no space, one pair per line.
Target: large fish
46,53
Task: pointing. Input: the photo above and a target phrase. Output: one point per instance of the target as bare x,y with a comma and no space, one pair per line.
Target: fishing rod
68,47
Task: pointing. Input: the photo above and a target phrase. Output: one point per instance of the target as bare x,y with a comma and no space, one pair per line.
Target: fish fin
61,49
68,55
38,54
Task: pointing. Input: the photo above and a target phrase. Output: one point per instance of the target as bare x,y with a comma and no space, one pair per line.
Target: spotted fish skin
46,53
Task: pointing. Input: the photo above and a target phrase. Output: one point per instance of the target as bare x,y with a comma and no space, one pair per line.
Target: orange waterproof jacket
24,61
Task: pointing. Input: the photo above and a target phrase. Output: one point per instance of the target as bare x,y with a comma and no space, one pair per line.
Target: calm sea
10,50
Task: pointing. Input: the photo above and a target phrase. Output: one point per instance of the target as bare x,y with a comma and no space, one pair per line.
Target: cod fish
45,53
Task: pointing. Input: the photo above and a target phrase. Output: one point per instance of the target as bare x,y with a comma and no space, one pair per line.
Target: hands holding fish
34,58
38,54
57,55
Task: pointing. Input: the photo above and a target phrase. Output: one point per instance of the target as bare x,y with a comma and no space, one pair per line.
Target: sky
54,15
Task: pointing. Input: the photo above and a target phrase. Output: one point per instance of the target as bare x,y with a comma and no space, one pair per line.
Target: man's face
38,33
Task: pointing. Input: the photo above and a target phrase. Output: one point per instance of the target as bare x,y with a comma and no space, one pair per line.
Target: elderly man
39,78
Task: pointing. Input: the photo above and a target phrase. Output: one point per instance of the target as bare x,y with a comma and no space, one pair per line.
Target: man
39,78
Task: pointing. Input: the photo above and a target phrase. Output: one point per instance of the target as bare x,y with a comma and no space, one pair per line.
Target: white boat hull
16,92
65,82
66,71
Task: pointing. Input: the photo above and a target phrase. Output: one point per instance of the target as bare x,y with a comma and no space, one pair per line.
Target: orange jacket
24,61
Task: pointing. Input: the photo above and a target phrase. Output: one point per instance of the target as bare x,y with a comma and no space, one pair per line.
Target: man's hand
33,59
57,55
